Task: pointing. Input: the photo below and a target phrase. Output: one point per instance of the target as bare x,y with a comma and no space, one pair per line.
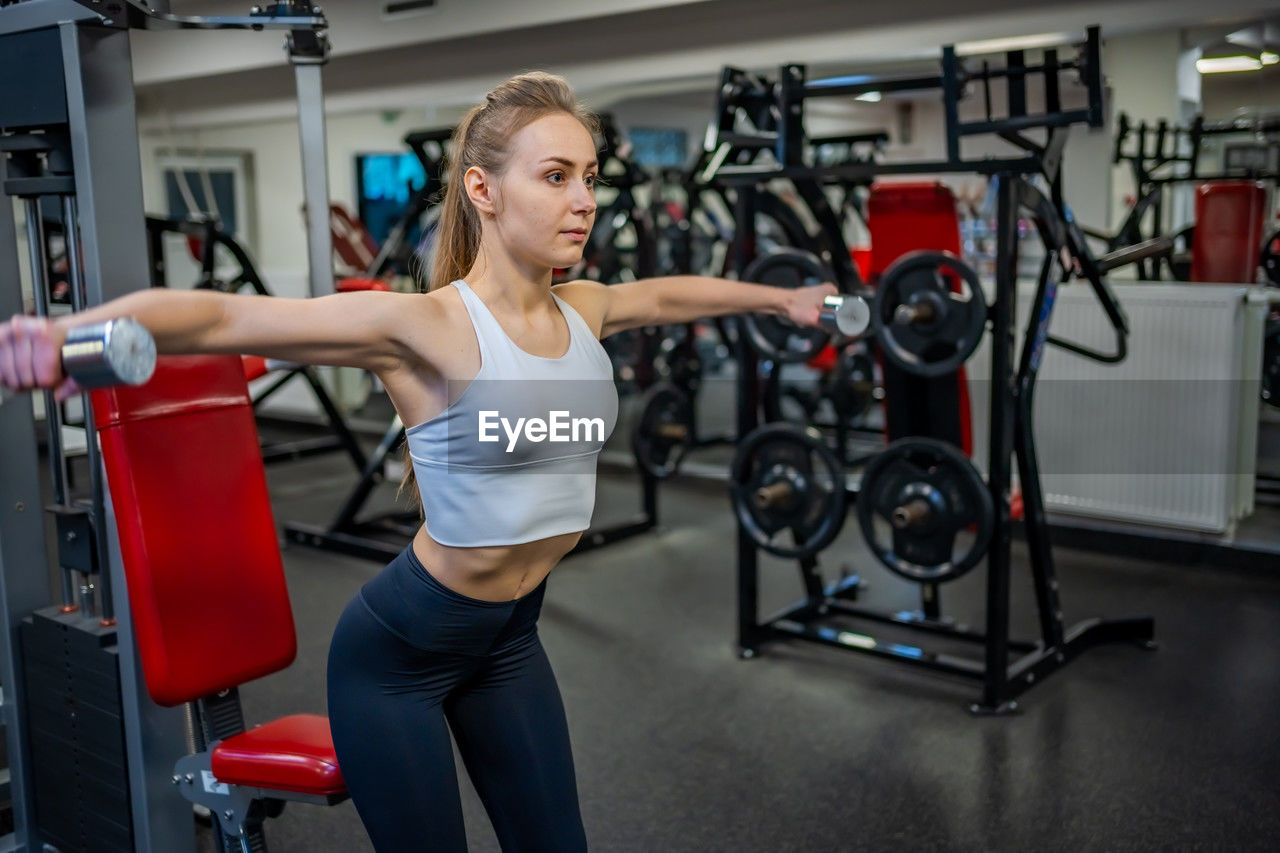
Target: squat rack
1011,437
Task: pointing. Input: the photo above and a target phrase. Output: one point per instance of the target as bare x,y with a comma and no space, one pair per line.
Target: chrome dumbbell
116,352
845,313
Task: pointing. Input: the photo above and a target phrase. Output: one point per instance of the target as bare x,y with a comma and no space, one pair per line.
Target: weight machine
1160,155
91,756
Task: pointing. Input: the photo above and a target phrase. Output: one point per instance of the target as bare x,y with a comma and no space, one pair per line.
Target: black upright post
748,415
649,496
1036,526
1002,416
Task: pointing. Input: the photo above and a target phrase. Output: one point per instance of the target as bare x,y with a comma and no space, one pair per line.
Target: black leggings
408,655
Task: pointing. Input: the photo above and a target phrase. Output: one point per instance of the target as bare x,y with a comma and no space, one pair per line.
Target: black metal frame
1162,154
1008,667
431,194
210,235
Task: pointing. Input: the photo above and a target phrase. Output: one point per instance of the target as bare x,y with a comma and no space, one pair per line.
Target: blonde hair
482,140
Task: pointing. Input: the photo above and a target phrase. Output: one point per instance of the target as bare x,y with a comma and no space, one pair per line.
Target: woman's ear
481,190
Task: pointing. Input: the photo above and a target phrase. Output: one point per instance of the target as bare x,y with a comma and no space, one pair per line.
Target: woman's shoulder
588,298
434,324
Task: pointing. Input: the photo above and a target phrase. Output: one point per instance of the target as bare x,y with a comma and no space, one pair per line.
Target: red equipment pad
355,284
904,217
1229,220
255,367
909,216
206,584
291,754
352,242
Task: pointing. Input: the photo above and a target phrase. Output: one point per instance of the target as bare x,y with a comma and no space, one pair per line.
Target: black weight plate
1271,364
773,337
813,514
940,476
1269,259
664,406
941,345
850,385
677,360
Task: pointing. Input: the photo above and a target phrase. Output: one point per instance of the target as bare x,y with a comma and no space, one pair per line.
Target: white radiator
1166,437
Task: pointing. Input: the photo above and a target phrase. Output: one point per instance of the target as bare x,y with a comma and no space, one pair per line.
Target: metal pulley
916,499
788,490
925,325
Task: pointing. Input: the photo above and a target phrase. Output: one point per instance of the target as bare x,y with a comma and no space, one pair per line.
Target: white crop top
513,458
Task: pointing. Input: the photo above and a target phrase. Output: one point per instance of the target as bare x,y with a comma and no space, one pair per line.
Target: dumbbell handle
116,352
845,313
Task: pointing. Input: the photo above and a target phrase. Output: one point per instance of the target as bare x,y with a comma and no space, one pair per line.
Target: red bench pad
1229,220
255,367
356,284
291,754
903,217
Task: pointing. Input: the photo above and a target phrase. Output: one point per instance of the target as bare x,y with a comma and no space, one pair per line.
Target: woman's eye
556,177
590,181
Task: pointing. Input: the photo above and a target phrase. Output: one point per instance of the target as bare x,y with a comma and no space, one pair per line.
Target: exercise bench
207,590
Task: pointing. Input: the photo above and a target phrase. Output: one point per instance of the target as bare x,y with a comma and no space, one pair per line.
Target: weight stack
77,732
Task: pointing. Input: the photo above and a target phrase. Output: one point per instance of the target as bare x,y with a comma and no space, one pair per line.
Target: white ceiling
609,49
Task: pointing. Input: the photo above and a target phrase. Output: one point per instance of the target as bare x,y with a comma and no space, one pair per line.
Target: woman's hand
31,356
804,302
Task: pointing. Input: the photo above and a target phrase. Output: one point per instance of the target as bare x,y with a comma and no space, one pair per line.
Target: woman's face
543,204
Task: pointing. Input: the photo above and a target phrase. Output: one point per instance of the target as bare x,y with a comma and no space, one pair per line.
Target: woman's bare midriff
493,573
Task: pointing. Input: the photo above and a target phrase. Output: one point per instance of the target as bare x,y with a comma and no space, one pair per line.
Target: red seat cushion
291,754
1229,220
255,367
353,284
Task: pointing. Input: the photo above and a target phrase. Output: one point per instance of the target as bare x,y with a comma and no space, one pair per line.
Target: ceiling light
999,45
1223,64
869,97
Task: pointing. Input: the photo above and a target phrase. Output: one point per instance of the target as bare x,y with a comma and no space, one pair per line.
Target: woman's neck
506,284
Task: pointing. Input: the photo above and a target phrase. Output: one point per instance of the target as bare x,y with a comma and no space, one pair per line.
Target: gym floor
682,746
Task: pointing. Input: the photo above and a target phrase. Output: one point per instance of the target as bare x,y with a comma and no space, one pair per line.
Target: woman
445,637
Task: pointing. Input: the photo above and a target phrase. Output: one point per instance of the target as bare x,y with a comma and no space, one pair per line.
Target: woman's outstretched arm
683,298
368,330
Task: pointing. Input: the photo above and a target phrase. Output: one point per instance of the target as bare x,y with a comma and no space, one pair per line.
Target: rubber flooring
680,745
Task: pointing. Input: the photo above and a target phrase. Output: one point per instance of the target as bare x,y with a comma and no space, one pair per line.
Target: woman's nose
584,200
